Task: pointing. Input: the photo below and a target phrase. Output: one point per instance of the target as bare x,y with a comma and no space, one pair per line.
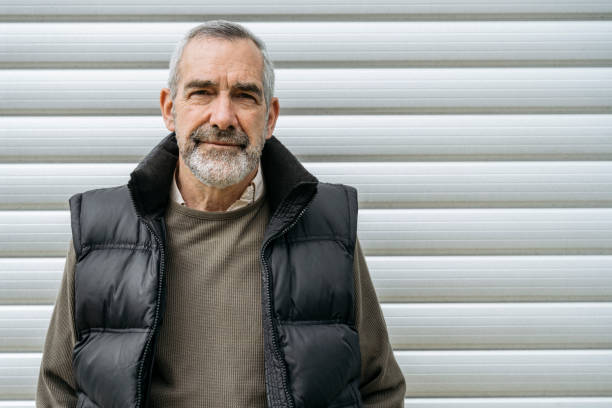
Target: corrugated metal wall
478,134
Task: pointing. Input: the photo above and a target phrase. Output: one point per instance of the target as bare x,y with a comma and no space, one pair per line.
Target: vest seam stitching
104,329
314,322
349,221
79,254
80,251
98,330
351,244
96,247
337,238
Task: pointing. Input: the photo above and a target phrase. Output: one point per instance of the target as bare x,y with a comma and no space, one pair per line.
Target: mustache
216,135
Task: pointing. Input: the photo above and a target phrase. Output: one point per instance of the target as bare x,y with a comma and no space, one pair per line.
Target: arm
382,382
56,385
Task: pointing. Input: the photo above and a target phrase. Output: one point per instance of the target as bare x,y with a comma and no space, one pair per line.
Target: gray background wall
477,133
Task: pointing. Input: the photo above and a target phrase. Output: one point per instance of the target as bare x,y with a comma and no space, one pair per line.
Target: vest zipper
156,319
275,345
157,304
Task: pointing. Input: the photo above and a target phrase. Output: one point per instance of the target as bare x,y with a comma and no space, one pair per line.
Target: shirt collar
251,193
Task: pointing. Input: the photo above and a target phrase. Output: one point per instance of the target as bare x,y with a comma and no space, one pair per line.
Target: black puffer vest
312,356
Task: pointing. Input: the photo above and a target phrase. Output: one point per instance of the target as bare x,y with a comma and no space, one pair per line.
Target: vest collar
286,180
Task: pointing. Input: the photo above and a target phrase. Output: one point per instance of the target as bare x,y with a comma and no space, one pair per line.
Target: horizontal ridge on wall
371,91
389,185
150,45
338,137
295,8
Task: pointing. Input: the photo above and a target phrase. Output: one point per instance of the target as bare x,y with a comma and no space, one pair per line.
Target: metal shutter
477,133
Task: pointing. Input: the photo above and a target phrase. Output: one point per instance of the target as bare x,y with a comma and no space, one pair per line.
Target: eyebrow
248,87
199,83
241,86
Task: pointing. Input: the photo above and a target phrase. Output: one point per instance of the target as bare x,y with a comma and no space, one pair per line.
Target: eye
201,92
249,96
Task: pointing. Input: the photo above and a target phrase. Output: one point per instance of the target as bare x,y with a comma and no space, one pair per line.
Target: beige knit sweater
210,350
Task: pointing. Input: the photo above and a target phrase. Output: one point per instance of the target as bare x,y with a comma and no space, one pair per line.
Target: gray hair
225,30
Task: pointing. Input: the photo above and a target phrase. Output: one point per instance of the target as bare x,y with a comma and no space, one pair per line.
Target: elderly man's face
219,112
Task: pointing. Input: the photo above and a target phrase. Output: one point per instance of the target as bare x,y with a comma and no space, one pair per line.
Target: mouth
222,144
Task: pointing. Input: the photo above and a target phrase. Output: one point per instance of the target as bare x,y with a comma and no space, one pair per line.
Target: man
223,274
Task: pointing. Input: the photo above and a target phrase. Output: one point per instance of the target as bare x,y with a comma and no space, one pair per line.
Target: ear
165,103
272,116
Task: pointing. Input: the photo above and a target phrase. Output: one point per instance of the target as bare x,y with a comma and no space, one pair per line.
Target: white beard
221,167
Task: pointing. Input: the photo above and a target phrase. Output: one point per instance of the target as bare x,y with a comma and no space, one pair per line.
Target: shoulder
336,206
101,197
102,215
336,194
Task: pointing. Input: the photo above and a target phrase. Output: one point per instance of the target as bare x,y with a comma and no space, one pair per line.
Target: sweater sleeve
56,384
382,382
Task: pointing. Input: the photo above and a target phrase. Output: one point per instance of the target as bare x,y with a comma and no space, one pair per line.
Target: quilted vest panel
314,301
116,289
119,301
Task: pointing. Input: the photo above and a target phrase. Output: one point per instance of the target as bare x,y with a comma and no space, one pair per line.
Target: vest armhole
75,222
353,207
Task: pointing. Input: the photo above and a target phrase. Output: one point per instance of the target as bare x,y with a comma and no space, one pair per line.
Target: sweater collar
285,178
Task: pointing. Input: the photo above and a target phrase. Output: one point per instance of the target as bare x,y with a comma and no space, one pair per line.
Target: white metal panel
507,373
23,328
30,280
151,44
416,137
18,375
492,278
342,39
373,90
411,184
450,326
296,7
486,231
391,232
34,233
417,326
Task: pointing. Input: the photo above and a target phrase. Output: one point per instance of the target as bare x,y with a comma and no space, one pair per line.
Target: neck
200,196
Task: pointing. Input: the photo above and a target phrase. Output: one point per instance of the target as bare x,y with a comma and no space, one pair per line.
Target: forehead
220,59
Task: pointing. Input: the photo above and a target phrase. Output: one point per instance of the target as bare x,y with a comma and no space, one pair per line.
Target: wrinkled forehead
237,59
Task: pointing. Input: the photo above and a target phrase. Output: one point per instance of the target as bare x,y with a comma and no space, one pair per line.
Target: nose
223,115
